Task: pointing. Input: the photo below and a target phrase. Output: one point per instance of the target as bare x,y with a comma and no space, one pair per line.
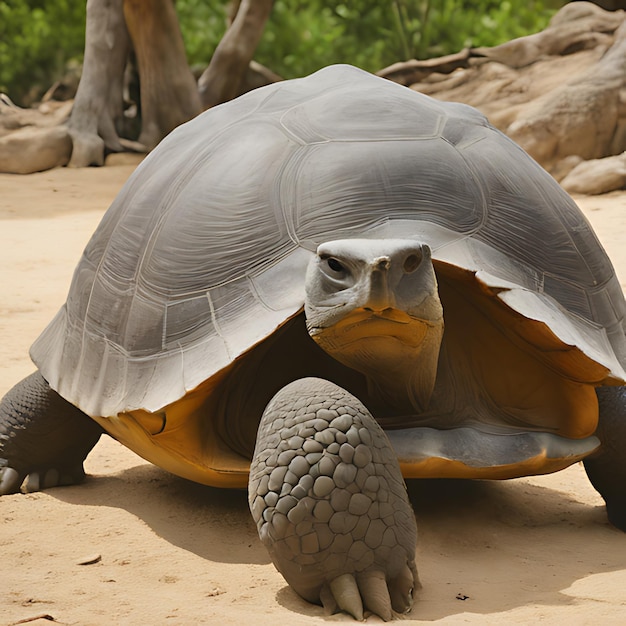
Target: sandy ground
536,550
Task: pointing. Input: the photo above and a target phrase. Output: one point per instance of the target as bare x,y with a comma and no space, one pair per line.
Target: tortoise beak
380,298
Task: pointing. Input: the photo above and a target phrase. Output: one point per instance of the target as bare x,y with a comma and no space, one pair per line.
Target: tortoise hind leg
42,437
330,502
607,467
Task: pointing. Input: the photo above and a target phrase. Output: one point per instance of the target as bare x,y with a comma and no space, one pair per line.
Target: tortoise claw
54,477
346,593
370,590
402,588
10,480
33,483
375,594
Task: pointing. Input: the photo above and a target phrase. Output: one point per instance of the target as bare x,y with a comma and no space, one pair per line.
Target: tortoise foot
606,467
616,512
43,438
370,590
330,502
12,480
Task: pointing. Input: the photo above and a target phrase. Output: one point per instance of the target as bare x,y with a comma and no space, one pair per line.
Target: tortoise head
373,305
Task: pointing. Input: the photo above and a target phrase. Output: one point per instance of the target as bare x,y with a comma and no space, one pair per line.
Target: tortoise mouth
395,351
363,324
364,315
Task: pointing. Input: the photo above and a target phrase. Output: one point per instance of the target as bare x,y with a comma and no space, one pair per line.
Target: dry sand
173,552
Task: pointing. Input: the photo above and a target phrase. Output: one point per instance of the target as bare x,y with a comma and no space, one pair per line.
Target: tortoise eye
335,265
412,262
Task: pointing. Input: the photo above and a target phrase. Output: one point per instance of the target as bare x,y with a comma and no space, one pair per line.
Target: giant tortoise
343,242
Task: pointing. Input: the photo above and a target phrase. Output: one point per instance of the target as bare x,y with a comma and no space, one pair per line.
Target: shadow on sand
522,542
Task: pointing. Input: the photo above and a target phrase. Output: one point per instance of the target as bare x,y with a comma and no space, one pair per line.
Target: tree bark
577,26
169,94
98,104
413,71
221,80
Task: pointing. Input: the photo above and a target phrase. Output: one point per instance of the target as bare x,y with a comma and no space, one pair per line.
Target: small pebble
90,560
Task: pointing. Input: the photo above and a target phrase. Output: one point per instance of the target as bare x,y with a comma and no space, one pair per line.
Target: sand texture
167,551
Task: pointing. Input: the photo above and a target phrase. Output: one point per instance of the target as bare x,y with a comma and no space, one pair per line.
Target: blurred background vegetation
39,38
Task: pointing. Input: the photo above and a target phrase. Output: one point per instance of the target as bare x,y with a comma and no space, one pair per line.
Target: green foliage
38,37
202,23
304,35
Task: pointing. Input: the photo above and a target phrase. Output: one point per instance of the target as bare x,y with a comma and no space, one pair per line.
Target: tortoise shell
199,263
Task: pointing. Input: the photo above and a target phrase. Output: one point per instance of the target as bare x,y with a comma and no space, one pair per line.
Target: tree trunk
220,81
169,94
98,102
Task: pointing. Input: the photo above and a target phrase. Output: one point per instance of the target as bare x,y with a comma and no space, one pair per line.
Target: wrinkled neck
399,360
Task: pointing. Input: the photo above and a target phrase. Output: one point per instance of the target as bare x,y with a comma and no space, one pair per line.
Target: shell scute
203,253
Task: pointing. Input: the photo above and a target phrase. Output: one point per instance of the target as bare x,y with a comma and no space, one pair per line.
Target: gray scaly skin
606,467
43,438
330,502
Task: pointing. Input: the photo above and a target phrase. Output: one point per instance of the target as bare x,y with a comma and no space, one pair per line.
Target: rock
29,150
577,26
124,158
582,116
563,167
89,560
560,93
46,115
597,176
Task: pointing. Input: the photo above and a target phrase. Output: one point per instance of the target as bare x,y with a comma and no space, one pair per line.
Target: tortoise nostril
382,263
412,262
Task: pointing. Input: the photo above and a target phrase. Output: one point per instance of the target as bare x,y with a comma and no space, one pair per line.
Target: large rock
583,116
558,93
34,149
597,176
